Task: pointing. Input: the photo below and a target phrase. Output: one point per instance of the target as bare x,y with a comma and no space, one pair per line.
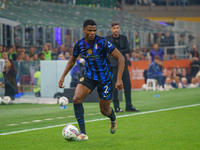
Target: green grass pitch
168,122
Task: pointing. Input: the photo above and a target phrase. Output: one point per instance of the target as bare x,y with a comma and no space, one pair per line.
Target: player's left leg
106,110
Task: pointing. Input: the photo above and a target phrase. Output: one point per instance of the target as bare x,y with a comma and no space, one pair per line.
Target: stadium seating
61,15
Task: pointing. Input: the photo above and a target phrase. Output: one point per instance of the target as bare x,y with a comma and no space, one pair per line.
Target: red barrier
137,68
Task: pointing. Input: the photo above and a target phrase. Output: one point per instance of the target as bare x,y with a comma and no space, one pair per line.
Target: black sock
79,113
112,116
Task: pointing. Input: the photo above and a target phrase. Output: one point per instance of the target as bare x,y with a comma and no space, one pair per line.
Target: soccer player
98,73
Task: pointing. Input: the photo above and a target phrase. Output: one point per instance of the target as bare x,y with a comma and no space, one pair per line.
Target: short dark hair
89,22
114,24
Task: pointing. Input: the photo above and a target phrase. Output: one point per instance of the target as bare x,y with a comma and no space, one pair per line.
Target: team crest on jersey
81,79
90,51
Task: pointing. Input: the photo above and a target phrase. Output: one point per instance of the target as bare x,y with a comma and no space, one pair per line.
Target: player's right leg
106,110
80,94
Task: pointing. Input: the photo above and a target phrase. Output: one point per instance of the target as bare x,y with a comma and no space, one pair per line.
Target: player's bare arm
119,57
68,67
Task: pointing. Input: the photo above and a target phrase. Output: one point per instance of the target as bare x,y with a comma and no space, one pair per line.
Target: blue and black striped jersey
97,65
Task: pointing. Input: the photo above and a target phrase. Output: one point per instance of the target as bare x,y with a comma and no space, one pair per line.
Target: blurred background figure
168,85
10,74
77,71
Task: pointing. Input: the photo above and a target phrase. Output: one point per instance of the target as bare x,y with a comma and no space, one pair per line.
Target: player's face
90,32
115,30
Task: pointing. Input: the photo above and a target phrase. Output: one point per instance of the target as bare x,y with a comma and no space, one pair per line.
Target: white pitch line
128,115
12,124
61,117
36,120
24,122
90,114
49,119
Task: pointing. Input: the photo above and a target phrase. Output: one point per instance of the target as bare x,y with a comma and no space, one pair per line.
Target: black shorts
104,89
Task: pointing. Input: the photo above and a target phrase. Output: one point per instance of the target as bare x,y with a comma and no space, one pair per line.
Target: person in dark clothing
194,52
121,42
155,72
194,66
10,74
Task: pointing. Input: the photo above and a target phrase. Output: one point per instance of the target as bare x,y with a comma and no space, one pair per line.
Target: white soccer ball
144,87
63,101
6,100
70,133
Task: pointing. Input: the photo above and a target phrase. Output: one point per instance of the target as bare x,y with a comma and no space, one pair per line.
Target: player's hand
119,85
61,82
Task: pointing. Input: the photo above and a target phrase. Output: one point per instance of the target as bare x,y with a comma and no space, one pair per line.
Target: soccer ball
144,87
70,133
6,100
63,101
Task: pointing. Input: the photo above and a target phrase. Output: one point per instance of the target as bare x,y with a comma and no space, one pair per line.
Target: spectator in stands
4,56
67,55
41,56
14,49
27,57
46,52
181,39
194,66
141,56
1,50
35,57
176,83
5,49
154,72
173,57
168,40
157,38
23,50
194,83
146,53
62,49
156,52
134,56
31,51
10,53
50,47
61,57
168,85
137,40
10,74
194,52
31,58
18,52
55,53
184,82
20,56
